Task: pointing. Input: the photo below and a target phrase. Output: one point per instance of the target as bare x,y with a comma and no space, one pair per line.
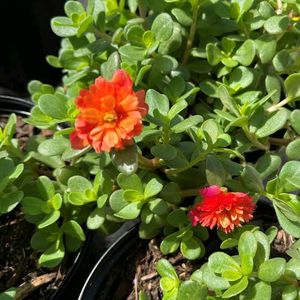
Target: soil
18,262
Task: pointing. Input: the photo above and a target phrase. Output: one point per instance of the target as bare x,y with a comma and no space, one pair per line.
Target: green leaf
192,248
133,196
182,17
176,109
229,243
143,295
134,35
283,61
73,229
117,201
295,120
289,292
277,24
213,281
273,83
215,172
293,228
244,5
158,207
191,290
265,9
170,243
157,102
70,154
272,269
236,289
251,179
227,100
42,239
73,7
211,131
266,48
53,255
126,160
165,269
292,86
110,66
260,290
34,86
214,54
186,124
8,294
240,78
54,146
170,287
49,219
177,218
268,164
271,233
9,201
247,247
132,53
263,248
246,53
132,182
162,26
139,77
293,268
164,151
220,262
133,5
289,176
232,275
293,150
273,123
63,27
79,184
130,211
33,206
53,106
171,193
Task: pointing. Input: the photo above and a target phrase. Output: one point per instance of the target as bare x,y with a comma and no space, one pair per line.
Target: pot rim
107,260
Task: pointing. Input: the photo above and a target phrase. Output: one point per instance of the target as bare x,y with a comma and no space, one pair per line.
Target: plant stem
278,105
104,36
191,36
244,28
252,138
194,162
148,164
142,9
278,141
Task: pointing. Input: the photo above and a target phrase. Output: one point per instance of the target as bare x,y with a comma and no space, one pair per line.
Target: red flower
224,209
110,114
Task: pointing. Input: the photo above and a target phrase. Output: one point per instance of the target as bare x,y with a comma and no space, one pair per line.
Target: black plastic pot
103,278
15,105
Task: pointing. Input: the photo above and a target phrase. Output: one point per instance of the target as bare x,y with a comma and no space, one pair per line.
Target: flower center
110,116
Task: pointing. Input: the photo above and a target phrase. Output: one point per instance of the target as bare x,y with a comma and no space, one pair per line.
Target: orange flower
110,114
224,209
